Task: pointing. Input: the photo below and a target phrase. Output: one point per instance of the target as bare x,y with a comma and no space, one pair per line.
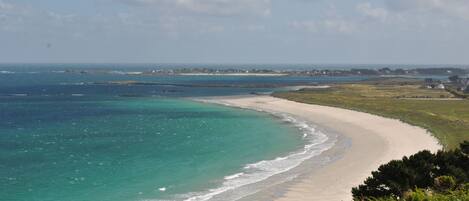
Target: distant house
434,84
429,81
440,86
461,84
385,70
464,84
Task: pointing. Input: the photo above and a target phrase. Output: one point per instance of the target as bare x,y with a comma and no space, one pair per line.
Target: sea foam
317,142
6,72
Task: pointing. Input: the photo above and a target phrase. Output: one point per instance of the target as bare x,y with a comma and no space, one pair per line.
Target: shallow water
131,149
60,140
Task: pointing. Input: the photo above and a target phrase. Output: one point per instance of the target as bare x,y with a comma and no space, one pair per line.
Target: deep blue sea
63,139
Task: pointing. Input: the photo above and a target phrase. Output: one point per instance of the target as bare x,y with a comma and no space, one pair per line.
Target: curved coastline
265,174
366,141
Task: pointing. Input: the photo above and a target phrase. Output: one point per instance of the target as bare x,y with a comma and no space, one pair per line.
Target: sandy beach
374,140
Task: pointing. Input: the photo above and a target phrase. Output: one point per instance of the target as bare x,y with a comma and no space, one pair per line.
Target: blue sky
235,31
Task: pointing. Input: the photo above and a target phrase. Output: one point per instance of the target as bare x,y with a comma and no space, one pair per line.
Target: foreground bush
439,173
422,195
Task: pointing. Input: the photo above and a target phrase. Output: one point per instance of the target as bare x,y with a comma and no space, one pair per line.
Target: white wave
117,72
234,176
134,73
262,170
6,72
19,94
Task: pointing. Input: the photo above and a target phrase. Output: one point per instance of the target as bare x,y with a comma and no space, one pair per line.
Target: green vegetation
420,177
423,195
456,93
436,110
443,176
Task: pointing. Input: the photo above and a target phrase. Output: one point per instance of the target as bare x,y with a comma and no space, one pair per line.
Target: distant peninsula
273,72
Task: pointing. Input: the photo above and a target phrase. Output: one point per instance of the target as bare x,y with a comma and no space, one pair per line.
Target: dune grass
436,110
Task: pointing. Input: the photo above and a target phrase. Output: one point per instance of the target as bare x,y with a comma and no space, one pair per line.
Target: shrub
417,195
443,171
444,183
465,147
423,195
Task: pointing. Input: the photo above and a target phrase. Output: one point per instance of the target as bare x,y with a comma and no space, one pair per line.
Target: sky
235,31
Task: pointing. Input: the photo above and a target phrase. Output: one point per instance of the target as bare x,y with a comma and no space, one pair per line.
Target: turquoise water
64,139
130,149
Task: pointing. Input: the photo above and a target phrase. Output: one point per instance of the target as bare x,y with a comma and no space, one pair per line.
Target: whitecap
6,72
117,72
234,176
58,71
262,170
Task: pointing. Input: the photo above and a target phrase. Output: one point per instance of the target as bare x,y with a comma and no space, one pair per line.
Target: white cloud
212,7
60,17
11,16
256,28
305,25
374,12
213,29
227,7
326,25
454,8
192,17
5,6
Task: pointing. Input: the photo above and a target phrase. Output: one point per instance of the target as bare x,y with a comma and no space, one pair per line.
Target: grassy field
435,110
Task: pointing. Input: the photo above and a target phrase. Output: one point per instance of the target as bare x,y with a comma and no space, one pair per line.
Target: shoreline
364,142
273,171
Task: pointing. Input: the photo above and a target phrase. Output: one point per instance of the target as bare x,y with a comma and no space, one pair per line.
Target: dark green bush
444,183
423,195
443,171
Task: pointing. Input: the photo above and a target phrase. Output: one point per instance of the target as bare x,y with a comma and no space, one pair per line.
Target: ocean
64,138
